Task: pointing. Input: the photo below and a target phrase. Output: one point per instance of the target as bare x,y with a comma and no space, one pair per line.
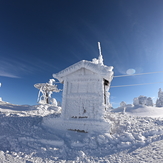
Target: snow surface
141,111
132,139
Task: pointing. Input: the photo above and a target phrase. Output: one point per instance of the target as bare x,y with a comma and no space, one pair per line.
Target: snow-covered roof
100,69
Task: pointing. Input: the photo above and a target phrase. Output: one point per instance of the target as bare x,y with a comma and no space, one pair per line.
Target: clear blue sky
39,38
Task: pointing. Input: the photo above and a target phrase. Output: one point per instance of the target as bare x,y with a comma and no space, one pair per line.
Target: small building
85,90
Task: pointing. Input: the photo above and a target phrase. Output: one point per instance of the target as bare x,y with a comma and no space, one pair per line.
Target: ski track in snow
24,139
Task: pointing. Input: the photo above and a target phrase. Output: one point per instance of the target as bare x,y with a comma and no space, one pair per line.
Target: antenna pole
99,47
100,59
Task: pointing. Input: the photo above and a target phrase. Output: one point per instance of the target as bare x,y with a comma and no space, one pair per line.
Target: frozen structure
143,100
85,93
159,102
45,92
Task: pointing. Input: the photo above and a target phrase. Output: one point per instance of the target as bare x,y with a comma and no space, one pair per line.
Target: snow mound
24,138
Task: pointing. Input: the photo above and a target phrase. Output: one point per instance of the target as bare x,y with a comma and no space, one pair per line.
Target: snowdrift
25,138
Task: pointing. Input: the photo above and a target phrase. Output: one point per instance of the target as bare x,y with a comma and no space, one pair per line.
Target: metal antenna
100,59
99,47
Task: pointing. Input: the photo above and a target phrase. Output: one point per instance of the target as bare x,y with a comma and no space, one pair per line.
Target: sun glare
130,71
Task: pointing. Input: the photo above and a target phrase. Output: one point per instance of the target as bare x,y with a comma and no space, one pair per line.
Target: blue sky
39,38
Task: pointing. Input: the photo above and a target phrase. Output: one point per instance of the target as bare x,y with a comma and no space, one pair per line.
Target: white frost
143,100
45,92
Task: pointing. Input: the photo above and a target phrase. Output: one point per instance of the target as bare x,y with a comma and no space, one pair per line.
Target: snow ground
132,139
141,111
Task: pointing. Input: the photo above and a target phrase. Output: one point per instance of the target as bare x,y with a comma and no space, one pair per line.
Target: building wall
83,95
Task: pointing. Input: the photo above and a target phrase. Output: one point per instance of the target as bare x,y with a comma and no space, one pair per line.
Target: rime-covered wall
85,91
83,95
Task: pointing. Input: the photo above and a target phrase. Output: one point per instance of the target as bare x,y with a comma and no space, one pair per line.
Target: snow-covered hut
85,92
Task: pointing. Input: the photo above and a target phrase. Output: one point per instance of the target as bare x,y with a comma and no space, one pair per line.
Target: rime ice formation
135,101
159,102
149,101
100,58
85,92
143,100
122,104
47,89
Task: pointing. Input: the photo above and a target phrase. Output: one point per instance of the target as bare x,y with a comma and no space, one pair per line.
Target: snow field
24,138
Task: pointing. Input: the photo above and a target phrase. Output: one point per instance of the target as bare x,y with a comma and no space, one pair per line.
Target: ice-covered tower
85,91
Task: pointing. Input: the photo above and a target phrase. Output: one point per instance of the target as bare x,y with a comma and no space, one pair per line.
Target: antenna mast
100,59
99,47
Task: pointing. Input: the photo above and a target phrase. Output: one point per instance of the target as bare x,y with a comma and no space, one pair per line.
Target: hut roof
100,69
